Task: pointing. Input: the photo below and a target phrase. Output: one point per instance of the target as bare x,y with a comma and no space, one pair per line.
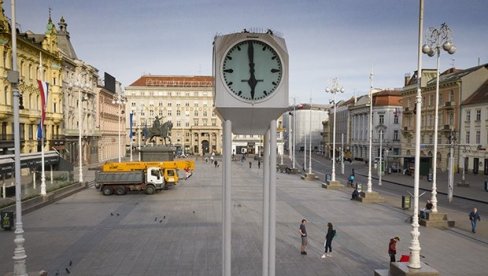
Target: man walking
474,217
303,234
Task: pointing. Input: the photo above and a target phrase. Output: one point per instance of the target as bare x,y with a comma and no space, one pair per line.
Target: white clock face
252,70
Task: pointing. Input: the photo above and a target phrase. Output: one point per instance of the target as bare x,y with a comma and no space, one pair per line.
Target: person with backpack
392,248
328,240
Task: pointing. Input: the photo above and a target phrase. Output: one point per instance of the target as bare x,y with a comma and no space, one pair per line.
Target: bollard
3,191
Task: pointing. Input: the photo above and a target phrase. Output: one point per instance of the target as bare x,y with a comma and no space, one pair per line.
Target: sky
326,39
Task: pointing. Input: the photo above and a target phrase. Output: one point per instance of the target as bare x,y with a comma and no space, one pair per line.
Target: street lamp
13,77
370,129
336,88
81,99
436,38
380,162
119,100
450,182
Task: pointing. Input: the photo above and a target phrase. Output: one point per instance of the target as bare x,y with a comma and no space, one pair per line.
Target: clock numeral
264,48
239,93
273,58
228,57
229,71
230,83
274,83
275,70
238,48
265,93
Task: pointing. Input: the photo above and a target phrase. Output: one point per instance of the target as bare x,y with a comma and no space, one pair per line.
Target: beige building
186,101
31,67
455,87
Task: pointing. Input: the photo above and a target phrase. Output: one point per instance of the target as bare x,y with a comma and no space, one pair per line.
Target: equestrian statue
161,130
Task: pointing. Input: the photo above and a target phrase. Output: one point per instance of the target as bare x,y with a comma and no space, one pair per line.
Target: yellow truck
120,177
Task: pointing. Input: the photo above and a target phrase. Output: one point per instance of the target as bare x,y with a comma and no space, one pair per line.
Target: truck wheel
150,189
120,190
107,191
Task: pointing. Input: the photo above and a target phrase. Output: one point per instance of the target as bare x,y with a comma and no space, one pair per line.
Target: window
169,104
205,113
205,122
187,124
214,122
178,123
195,122
169,113
478,115
178,113
431,139
195,113
478,137
468,116
467,137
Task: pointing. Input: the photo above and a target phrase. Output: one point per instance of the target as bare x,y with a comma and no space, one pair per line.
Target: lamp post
342,153
310,140
81,99
294,132
380,162
370,130
450,181
119,101
435,39
13,77
336,88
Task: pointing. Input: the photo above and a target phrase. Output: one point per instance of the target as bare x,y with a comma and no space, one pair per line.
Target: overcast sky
325,38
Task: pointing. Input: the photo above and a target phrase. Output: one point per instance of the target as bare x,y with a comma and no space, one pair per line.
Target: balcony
449,105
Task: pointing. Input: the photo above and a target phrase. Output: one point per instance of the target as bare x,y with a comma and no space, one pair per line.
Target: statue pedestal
158,153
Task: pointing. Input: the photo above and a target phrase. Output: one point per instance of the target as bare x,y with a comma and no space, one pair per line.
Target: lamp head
452,50
426,49
447,46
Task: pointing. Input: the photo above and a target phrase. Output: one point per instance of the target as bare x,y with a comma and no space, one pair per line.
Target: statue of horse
163,131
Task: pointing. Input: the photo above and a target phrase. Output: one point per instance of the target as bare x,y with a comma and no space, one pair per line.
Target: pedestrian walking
474,217
392,248
328,240
259,164
250,164
216,163
303,235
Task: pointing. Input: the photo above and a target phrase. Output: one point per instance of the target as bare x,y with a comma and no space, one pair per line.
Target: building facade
38,58
474,124
186,101
455,86
307,119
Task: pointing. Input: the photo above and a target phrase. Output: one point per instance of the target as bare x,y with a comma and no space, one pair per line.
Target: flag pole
43,106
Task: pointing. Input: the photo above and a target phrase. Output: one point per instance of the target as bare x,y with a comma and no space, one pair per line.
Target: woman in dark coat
328,240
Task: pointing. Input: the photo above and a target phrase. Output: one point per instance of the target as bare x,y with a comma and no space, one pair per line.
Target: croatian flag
44,91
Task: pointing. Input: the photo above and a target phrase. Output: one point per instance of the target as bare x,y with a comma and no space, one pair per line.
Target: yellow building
38,57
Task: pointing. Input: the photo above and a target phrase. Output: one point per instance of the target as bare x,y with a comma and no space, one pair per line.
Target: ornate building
186,101
455,86
38,58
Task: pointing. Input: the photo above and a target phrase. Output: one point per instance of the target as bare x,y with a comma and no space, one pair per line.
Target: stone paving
178,232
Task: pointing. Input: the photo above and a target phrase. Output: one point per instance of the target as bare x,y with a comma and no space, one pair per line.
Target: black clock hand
252,78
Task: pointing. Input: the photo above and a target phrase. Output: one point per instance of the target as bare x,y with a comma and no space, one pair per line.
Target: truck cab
155,177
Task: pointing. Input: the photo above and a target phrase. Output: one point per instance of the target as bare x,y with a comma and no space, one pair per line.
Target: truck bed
119,177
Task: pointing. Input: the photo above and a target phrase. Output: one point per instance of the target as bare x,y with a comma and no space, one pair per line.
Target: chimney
406,79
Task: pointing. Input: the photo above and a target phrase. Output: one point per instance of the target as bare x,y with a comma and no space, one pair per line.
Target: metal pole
433,198
310,140
272,198
43,172
139,136
130,135
290,137
118,103
304,149
19,252
227,199
266,198
294,132
380,164
342,153
80,148
414,261
370,130
333,140
451,170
